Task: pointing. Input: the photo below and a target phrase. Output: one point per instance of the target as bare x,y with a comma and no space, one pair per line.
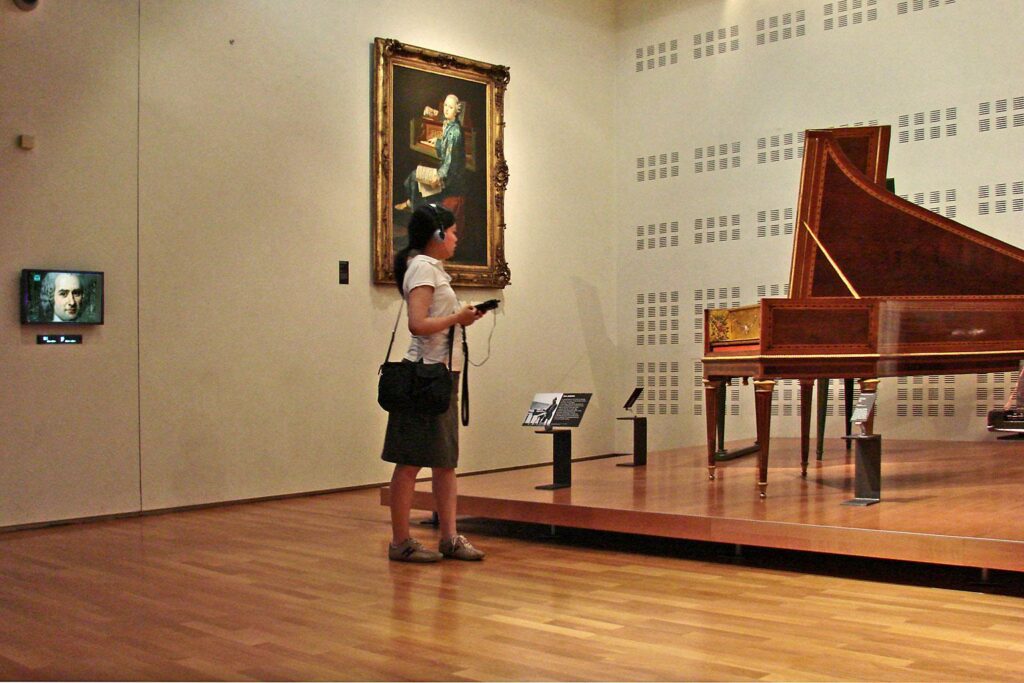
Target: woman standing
415,440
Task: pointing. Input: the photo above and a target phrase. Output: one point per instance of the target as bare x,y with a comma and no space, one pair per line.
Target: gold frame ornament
412,86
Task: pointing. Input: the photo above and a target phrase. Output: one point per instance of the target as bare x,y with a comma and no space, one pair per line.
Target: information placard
556,410
862,411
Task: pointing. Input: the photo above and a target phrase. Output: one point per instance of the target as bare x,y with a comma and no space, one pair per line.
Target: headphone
435,214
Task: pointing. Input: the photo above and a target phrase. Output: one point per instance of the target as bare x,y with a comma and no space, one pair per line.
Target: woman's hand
468,315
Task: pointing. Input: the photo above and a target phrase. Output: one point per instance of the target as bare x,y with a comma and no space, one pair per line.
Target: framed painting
438,138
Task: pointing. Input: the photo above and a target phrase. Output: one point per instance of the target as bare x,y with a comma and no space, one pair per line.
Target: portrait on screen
62,297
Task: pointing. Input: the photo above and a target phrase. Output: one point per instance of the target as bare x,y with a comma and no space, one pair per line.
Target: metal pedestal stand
867,487
868,468
562,457
639,442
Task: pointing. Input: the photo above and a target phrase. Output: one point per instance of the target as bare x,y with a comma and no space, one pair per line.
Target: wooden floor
300,589
947,503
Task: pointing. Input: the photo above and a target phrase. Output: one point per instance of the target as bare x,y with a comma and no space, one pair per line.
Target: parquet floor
300,589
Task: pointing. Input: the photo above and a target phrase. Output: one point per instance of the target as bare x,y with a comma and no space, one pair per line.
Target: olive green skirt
424,440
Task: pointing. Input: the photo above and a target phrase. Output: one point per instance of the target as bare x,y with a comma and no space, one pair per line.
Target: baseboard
259,499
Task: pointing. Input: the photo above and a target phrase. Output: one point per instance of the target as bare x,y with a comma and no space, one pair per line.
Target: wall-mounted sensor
26,5
27,141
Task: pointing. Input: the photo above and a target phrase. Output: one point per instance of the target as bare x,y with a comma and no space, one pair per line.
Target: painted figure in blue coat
450,147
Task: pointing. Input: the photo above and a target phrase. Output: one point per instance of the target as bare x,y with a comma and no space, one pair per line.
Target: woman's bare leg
445,495
403,483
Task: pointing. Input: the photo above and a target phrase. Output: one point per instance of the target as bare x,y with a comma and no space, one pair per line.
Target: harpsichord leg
763,403
806,391
711,389
848,403
822,410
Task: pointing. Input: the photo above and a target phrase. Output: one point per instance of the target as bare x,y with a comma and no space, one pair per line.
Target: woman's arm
421,325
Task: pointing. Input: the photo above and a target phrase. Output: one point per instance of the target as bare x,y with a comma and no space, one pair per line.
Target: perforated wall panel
714,147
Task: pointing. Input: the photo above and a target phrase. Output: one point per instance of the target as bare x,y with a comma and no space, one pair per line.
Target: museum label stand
867,488
561,473
639,441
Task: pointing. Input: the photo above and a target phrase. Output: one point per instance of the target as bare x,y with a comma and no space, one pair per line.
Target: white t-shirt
433,348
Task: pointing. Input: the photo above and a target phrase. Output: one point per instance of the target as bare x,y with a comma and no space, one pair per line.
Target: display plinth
867,476
561,473
639,441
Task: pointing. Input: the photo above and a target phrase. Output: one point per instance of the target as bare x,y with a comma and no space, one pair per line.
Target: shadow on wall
601,350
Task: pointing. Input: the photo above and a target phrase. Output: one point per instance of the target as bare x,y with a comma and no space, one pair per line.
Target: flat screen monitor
61,297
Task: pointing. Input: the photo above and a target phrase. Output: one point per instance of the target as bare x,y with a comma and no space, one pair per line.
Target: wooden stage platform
952,503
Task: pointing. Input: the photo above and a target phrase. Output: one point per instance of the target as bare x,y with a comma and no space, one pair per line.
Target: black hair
424,222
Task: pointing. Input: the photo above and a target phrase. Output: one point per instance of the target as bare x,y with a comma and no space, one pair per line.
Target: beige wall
69,416
218,185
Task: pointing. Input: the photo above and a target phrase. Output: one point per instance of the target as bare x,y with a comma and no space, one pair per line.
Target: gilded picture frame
438,136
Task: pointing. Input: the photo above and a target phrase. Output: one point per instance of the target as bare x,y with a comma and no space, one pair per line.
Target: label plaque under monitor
58,339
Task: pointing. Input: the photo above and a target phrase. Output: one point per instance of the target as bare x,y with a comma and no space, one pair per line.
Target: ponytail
402,265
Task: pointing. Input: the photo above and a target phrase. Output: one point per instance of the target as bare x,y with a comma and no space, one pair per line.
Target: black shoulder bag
418,387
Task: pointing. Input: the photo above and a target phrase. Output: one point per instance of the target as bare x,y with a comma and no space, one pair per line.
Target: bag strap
451,345
465,378
465,368
393,331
